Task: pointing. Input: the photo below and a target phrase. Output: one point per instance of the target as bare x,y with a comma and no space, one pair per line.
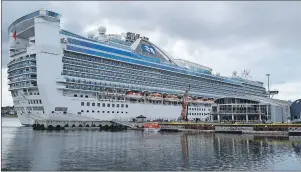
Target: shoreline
9,116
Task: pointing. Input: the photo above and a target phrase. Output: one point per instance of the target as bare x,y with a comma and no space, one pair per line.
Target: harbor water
27,149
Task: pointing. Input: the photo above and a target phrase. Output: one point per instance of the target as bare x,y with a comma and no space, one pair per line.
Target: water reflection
25,149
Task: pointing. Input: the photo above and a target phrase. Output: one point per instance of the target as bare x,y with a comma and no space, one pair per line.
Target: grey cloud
217,26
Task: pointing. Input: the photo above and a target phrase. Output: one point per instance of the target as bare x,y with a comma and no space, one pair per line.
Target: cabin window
83,103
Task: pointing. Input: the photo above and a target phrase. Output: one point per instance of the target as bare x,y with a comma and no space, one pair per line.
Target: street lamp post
268,75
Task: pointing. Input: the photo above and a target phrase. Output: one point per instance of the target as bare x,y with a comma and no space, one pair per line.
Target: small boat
152,126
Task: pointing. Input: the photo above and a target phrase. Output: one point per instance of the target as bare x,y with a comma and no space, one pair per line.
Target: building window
98,104
88,103
40,101
126,112
83,103
93,104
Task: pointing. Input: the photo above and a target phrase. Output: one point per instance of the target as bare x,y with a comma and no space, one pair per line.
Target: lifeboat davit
134,95
155,96
171,98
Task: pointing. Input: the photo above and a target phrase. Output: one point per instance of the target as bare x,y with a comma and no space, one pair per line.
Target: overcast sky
264,37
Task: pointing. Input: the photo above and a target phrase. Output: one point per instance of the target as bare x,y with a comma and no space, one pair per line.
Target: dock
255,129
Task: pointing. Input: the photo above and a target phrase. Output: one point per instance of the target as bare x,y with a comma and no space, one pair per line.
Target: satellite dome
102,30
90,34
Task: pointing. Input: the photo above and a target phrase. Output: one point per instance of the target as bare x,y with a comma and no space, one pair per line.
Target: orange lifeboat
152,126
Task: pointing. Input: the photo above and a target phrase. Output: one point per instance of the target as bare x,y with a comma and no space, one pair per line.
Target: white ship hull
25,120
150,111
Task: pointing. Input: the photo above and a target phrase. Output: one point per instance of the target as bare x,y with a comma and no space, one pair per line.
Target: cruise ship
56,74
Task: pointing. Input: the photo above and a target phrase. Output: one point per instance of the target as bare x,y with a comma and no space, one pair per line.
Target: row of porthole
104,105
198,113
199,109
102,111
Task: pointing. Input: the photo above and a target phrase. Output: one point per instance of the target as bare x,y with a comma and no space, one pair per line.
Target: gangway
125,123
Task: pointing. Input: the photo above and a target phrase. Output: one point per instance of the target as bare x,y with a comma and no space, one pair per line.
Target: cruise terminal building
250,109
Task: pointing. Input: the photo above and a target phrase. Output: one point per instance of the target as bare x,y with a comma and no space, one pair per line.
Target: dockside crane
184,105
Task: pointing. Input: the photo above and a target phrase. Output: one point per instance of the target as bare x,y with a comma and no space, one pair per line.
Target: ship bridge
22,31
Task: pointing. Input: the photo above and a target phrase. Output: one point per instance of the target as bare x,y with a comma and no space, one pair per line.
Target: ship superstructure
57,74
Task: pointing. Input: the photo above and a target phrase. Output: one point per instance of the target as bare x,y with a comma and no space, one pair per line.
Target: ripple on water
25,149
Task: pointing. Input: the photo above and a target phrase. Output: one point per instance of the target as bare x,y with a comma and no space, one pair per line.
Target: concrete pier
64,125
